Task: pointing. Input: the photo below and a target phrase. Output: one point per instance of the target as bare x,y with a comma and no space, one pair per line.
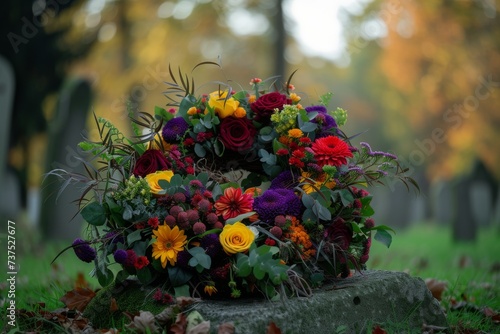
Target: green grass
470,270
425,251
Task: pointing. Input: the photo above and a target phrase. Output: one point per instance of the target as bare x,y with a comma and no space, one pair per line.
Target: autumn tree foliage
439,83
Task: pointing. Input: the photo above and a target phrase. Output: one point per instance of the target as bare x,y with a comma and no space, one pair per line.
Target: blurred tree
438,81
435,81
35,41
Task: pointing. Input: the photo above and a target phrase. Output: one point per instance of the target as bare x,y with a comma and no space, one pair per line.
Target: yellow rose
223,108
236,238
153,179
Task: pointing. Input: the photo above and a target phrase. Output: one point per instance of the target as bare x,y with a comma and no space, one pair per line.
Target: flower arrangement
231,194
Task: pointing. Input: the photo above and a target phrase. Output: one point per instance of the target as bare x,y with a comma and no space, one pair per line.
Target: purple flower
275,202
377,153
83,250
120,256
325,120
285,180
211,244
174,129
319,109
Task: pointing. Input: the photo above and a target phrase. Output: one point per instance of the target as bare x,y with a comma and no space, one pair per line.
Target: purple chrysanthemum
326,121
319,109
83,250
120,256
275,202
284,180
175,129
211,244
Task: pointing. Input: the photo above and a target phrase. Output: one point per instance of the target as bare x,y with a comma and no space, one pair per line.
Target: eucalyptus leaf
384,237
94,214
104,276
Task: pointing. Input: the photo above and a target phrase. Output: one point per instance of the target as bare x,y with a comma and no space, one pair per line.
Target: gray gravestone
441,202
10,193
474,198
59,218
395,300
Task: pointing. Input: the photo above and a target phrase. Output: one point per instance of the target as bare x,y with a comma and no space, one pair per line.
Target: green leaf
346,197
164,184
178,276
133,237
243,266
384,237
258,272
308,127
162,113
219,148
366,209
121,276
308,201
186,103
105,276
94,214
200,259
182,291
199,150
145,276
239,218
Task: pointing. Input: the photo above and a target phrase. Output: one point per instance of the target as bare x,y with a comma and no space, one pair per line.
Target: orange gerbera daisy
233,203
168,243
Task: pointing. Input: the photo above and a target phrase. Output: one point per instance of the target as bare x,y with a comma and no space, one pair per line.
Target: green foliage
260,262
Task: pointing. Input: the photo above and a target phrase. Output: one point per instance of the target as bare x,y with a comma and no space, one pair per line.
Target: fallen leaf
202,328
78,298
186,301
226,328
378,330
436,287
180,324
144,323
165,316
273,329
80,281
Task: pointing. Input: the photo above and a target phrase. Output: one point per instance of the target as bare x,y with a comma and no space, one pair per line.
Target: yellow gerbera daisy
168,243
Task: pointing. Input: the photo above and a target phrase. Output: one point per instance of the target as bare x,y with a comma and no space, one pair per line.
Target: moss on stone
129,295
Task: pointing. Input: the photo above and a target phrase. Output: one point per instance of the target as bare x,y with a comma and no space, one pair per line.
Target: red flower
151,161
282,151
153,222
233,203
141,262
237,134
188,142
265,105
331,150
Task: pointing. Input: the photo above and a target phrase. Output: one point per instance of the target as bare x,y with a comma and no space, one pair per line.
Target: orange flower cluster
298,235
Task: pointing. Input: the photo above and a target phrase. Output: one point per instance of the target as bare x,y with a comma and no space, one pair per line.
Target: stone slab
394,300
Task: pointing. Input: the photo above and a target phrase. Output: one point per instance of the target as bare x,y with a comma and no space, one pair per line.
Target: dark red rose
264,106
150,162
339,234
237,134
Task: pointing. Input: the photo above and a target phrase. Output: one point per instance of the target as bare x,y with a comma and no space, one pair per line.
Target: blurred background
418,79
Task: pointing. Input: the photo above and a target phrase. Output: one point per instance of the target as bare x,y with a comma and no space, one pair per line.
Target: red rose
237,134
150,162
339,234
264,106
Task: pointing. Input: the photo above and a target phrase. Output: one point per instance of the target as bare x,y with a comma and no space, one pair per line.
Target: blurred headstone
474,198
10,193
59,218
441,202
399,206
